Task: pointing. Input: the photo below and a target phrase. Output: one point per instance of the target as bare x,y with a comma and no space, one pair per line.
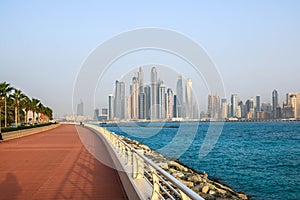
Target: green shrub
9,129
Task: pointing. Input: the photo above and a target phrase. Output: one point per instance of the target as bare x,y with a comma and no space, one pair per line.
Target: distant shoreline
200,121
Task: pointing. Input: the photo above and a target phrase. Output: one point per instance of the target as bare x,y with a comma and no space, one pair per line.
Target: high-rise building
195,111
154,94
134,97
179,96
162,101
189,99
128,107
142,105
80,109
175,109
213,110
96,114
140,76
258,105
275,103
170,103
119,100
297,114
250,108
224,108
147,91
243,110
110,107
234,105
104,114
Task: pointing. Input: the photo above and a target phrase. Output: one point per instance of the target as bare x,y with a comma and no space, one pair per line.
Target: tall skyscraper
162,101
128,107
297,109
224,108
195,111
250,108
147,91
234,105
170,103
110,107
175,109
258,104
142,106
189,99
154,94
80,109
213,110
134,97
140,76
275,103
119,101
96,114
179,96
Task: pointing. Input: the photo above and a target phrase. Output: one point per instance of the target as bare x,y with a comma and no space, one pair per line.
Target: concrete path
55,165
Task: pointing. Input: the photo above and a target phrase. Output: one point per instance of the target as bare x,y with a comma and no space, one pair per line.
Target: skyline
253,44
155,100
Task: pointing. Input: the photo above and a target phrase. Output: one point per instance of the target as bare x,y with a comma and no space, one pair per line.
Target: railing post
138,166
129,157
156,188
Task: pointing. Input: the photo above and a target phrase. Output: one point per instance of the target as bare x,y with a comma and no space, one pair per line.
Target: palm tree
34,108
26,104
5,90
41,111
17,97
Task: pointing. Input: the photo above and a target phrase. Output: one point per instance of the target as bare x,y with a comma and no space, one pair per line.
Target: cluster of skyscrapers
153,101
236,109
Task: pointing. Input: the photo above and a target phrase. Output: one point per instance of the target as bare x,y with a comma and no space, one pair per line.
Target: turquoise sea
261,159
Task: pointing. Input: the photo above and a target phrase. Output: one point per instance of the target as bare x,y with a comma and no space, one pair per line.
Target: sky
255,45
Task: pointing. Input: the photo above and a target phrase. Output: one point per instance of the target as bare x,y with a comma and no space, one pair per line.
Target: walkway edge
129,185
22,133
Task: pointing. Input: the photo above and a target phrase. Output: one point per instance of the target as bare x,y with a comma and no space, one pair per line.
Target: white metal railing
164,185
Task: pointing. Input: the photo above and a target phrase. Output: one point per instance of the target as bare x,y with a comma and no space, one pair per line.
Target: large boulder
178,174
205,189
178,166
163,165
187,183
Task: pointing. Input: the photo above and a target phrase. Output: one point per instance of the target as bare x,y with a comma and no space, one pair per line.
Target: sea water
261,159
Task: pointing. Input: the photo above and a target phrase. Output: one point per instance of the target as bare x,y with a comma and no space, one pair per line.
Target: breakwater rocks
200,183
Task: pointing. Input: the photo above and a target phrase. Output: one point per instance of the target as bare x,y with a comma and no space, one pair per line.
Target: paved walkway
55,165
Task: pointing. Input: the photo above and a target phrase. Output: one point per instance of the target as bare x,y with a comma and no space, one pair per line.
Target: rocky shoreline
198,182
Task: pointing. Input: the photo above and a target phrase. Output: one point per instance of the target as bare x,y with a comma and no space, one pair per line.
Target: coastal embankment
198,182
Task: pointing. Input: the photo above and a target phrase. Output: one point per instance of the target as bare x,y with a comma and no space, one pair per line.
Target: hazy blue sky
255,44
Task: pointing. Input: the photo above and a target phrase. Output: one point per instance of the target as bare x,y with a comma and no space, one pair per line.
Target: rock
163,165
145,147
194,178
221,191
197,188
212,192
187,183
177,166
205,189
177,174
205,175
170,170
242,196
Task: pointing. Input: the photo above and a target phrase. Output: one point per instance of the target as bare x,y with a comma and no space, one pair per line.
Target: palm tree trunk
0,120
33,120
5,113
16,116
26,117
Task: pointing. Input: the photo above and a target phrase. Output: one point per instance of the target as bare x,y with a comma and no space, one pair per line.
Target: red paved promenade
55,165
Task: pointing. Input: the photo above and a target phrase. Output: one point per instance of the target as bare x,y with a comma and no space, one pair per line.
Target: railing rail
163,184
